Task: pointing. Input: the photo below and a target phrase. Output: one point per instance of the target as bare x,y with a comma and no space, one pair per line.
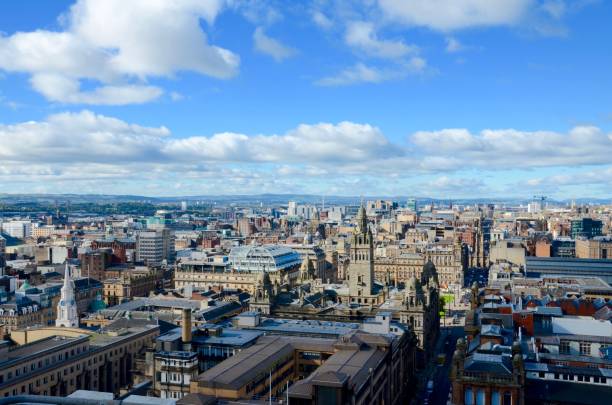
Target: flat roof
229,337
244,367
307,326
38,347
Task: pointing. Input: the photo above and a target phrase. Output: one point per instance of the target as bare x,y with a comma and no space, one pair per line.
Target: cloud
105,153
118,45
324,142
87,152
86,137
555,8
449,15
362,73
453,45
271,46
359,73
362,36
601,177
176,96
322,20
511,148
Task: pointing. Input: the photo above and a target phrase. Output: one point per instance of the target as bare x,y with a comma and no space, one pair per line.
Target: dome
98,304
25,286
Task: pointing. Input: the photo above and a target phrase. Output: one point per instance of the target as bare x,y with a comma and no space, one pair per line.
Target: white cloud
118,45
555,8
104,153
96,139
362,36
322,20
359,73
342,142
453,45
271,46
87,152
448,15
362,73
510,148
176,96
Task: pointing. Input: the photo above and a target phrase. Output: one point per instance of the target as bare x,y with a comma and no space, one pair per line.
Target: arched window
507,398
495,398
469,397
480,397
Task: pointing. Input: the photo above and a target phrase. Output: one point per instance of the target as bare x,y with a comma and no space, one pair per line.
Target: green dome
25,286
98,304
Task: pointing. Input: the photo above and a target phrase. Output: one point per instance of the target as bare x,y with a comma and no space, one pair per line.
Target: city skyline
377,98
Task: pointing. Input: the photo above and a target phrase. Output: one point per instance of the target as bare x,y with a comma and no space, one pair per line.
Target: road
441,373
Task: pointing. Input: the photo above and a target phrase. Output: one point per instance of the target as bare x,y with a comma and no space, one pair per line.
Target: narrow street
441,387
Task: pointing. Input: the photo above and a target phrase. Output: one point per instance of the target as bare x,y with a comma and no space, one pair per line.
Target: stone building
418,306
487,378
599,247
360,277
447,258
321,370
243,270
21,313
57,361
130,284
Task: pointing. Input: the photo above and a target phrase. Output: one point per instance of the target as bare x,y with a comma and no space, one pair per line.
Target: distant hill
267,199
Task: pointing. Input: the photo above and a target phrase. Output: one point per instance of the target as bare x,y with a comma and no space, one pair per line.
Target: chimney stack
186,331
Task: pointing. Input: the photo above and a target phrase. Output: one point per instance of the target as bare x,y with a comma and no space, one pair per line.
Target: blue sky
462,98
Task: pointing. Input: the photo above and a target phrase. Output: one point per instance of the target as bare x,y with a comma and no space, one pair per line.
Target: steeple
362,220
361,267
66,309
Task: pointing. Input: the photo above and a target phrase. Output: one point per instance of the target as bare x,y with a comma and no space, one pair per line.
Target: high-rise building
412,204
17,229
153,247
586,228
292,209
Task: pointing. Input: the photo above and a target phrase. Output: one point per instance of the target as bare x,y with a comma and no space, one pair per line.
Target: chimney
186,331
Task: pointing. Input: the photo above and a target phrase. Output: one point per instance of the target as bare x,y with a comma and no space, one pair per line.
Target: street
441,374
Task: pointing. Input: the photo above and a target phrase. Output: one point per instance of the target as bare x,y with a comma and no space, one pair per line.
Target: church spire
66,309
362,220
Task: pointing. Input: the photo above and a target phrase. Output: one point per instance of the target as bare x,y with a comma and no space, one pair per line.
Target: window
495,398
469,397
585,349
480,397
564,347
507,398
